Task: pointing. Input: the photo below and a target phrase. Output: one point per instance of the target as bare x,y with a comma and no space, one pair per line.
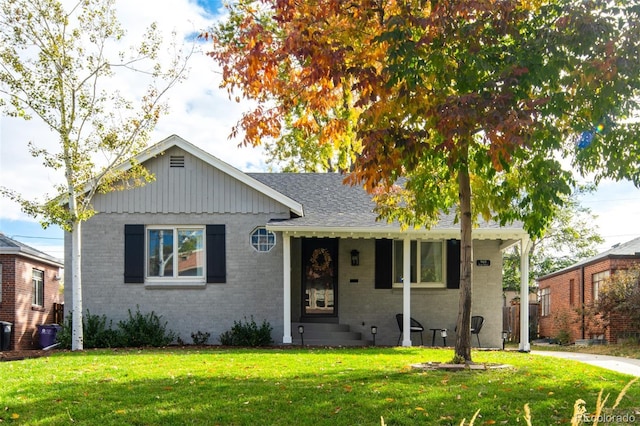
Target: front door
319,277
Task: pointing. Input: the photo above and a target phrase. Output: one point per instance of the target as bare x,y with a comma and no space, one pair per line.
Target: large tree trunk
463,335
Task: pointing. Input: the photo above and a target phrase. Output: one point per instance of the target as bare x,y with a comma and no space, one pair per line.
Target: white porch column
286,287
406,291
525,247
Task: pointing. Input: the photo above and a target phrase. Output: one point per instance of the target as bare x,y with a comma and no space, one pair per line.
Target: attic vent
176,161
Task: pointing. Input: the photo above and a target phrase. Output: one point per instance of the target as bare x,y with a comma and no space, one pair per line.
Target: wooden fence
511,321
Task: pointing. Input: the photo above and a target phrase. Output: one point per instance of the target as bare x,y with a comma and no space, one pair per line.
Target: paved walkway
622,365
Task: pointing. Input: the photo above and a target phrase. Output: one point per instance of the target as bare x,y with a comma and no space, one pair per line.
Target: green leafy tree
619,297
474,103
570,237
56,64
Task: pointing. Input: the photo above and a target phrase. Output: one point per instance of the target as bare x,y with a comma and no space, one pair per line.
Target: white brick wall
253,287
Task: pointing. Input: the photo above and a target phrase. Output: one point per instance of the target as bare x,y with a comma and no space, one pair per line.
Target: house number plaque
483,262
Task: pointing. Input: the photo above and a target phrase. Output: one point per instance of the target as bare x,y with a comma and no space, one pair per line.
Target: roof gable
177,141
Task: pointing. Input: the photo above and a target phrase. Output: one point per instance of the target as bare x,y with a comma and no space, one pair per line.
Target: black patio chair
415,327
476,326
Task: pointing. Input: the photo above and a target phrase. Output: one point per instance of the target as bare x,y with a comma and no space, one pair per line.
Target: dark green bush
200,338
96,333
145,330
247,334
63,337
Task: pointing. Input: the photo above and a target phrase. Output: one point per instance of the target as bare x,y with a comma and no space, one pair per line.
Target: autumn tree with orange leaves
488,106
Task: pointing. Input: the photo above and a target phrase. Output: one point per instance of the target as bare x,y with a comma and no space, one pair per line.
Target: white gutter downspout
525,246
286,287
406,291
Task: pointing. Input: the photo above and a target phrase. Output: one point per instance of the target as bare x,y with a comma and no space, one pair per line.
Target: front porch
357,300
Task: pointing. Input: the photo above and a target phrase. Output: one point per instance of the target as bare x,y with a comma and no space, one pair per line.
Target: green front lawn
296,387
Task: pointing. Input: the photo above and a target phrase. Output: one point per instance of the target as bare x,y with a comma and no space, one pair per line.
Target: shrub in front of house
96,333
200,338
138,330
145,330
248,333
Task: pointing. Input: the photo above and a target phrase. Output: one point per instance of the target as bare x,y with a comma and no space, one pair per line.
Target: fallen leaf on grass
348,388
337,410
15,416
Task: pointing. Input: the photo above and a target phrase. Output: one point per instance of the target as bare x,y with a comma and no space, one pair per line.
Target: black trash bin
5,336
48,333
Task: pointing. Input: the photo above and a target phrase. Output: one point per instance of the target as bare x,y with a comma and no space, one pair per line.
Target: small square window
263,240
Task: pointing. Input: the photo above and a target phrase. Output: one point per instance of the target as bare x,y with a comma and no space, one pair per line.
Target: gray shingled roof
628,249
329,203
11,246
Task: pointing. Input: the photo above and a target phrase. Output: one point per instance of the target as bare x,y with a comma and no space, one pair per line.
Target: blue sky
210,6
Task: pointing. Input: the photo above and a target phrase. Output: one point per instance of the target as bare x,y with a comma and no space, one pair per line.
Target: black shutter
216,254
134,253
453,264
384,263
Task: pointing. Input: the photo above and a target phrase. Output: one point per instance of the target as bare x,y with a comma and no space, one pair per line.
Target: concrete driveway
622,365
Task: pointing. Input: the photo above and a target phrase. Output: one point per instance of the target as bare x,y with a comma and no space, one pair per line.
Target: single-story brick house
564,292
29,286
205,245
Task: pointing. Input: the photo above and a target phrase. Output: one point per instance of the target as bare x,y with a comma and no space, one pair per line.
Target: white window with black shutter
157,254
434,264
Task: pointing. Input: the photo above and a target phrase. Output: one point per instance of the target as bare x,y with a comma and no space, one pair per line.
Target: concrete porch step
327,334
332,342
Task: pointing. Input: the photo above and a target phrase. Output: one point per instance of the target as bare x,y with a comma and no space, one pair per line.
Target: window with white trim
263,240
175,252
545,302
427,263
597,280
37,280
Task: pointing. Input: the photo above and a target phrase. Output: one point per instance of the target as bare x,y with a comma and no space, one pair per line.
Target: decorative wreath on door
320,263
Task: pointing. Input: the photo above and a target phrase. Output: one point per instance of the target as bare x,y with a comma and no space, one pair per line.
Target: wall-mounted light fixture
374,331
355,257
301,332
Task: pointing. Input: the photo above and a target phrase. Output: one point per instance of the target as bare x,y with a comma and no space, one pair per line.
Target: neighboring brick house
29,286
563,293
283,247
